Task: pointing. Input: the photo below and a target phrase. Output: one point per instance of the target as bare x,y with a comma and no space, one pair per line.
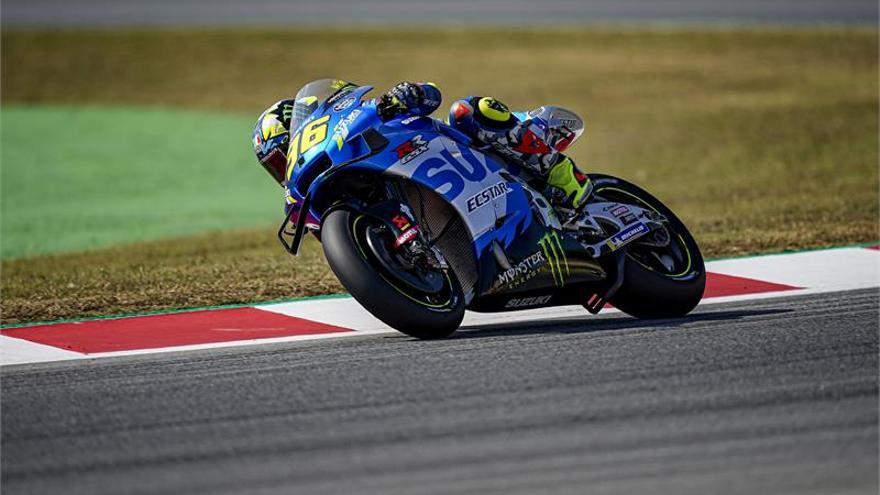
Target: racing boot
568,190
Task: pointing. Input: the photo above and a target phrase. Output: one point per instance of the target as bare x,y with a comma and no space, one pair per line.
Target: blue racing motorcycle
419,225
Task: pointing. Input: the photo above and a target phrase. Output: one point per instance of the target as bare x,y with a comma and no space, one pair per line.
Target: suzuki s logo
448,174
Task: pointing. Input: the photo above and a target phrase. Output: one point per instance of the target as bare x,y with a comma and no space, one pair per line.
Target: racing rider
535,143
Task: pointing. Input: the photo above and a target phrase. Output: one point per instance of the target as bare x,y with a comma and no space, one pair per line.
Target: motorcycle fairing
494,206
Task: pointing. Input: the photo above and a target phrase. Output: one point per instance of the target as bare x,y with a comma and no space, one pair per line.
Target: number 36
313,134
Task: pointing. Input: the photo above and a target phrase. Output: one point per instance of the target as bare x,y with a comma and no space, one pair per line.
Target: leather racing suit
528,143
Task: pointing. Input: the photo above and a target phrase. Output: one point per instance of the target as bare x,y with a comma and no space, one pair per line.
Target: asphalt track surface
109,13
770,396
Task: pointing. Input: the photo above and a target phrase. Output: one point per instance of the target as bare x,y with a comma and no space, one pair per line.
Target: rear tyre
659,282
420,303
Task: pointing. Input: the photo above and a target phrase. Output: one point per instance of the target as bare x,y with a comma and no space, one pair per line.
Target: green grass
762,140
76,178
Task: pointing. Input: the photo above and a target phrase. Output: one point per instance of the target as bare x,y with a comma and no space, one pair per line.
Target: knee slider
491,113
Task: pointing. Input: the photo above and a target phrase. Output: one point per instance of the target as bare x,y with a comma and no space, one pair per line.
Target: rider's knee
493,113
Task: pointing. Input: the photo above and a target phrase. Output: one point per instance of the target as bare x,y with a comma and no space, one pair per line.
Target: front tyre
416,301
660,281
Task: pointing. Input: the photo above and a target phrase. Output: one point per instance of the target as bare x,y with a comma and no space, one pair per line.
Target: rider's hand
408,95
400,99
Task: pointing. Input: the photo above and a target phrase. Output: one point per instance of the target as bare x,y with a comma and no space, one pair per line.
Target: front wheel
661,279
417,300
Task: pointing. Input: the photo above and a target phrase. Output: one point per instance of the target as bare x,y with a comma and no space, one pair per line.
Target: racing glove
411,98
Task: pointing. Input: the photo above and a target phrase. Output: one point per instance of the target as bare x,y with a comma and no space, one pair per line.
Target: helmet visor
276,164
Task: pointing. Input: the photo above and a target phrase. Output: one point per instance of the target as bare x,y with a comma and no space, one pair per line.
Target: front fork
409,237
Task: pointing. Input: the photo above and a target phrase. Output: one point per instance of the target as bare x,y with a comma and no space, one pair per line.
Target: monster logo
522,271
555,255
286,112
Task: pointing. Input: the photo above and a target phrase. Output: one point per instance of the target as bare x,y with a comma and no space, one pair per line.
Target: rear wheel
413,298
664,274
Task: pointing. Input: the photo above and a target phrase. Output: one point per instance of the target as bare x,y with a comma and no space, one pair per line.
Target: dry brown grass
762,140
220,268
206,270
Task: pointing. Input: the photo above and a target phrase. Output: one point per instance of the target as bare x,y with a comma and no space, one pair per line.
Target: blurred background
129,184
90,13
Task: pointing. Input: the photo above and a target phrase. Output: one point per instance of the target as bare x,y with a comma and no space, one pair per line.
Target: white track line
832,269
816,272
18,351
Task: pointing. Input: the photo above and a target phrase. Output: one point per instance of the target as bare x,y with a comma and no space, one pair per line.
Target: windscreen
310,96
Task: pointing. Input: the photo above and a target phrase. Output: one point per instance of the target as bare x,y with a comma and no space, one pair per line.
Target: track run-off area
808,272
769,386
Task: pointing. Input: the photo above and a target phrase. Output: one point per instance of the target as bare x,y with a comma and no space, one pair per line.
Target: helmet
271,137
272,132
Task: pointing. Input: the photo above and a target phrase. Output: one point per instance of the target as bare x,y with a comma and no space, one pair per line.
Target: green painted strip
117,175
